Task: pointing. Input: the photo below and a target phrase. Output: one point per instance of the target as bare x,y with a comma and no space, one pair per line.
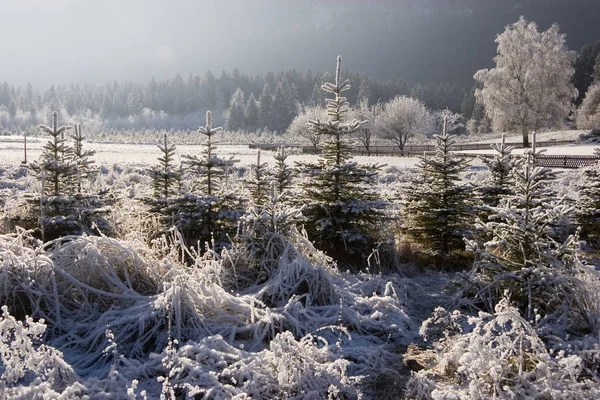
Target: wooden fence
420,148
550,161
392,150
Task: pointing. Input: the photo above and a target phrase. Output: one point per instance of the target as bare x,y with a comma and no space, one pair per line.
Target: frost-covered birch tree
403,118
298,127
364,112
530,88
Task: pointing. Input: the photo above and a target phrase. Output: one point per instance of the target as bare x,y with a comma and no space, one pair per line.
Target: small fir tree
62,207
340,208
498,182
56,162
166,175
283,174
527,256
258,183
268,224
206,213
209,169
83,162
436,203
588,206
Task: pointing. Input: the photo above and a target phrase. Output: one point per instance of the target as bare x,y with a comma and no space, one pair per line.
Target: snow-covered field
125,317
12,152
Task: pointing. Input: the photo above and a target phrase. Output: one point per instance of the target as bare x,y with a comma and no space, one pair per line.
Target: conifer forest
408,221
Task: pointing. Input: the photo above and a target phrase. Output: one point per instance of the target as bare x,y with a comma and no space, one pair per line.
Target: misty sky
63,41
99,41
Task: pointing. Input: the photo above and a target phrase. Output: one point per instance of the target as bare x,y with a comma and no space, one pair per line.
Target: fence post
25,146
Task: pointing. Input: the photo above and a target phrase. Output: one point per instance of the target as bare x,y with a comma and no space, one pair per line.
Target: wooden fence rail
550,161
413,148
420,148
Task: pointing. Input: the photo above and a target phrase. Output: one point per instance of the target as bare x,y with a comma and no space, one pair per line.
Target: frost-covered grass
110,315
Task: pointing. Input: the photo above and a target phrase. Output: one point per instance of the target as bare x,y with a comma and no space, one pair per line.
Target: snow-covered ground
12,152
309,331
516,138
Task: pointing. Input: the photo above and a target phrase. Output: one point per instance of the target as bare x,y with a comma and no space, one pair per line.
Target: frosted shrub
125,314
297,277
23,274
25,359
441,325
289,368
501,357
264,233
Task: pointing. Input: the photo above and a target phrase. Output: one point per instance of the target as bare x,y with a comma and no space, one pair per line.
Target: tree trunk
525,138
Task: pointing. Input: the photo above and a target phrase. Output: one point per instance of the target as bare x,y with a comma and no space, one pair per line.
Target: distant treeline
241,101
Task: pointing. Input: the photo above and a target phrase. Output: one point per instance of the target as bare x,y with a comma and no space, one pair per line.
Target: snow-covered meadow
127,317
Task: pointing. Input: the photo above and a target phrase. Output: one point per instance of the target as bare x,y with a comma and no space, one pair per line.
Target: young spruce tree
62,207
527,256
436,210
258,183
497,184
341,210
588,206
165,175
206,212
83,162
283,174
56,167
268,223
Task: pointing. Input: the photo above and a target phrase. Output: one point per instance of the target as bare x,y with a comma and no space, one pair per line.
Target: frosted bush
27,361
24,273
502,356
296,276
289,368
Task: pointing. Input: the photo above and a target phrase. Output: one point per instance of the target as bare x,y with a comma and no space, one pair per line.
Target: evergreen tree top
54,130
337,108
208,130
